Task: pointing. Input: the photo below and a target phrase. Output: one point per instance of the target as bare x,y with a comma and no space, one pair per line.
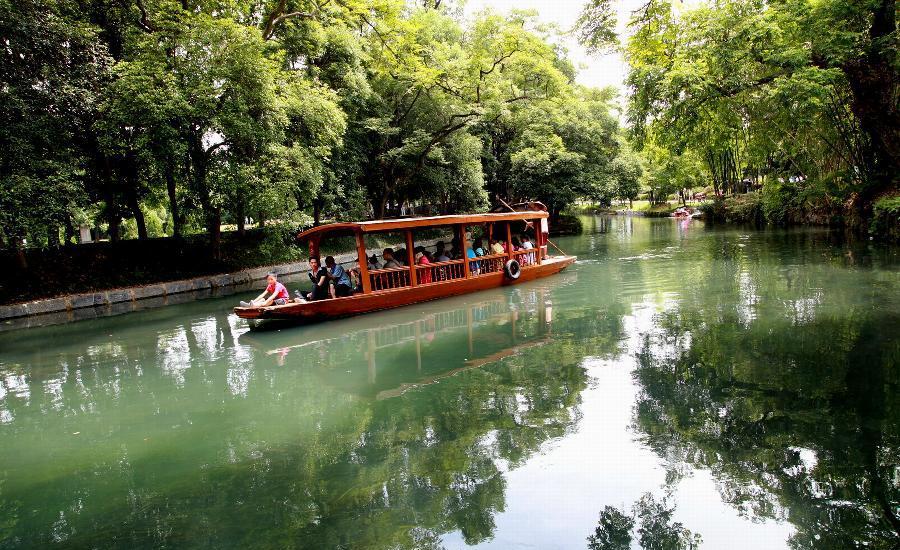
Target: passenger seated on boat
479,247
400,256
474,267
373,263
423,257
356,279
279,294
455,252
339,279
389,261
318,275
496,247
526,245
440,255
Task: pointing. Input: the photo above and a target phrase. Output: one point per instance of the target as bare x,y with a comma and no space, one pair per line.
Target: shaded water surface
731,387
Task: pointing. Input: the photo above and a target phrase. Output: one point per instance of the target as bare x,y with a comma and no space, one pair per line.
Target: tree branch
483,73
143,21
410,106
278,15
440,136
213,148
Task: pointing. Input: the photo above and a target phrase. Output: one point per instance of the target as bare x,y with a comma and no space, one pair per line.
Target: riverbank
98,267
117,301
92,305
639,208
878,221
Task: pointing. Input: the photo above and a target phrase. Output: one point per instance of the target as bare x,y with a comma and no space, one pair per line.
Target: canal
736,387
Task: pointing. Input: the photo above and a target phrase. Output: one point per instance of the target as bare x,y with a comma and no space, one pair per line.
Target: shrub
740,209
885,224
713,211
777,201
567,224
278,245
745,209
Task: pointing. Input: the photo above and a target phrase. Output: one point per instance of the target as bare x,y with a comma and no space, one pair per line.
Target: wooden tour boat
394,287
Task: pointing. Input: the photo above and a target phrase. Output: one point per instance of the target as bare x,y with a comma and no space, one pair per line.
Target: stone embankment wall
90,305
156,294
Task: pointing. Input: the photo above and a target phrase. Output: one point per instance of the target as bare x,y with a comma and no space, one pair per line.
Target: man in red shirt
278,294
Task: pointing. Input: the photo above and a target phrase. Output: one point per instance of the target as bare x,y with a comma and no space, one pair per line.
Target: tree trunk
173,197
317,212
20,254
129,167
879,118
112,211
873,82
138,214
52,235
200,163
261,217
214,228
874,88
240,218
70,230
114,222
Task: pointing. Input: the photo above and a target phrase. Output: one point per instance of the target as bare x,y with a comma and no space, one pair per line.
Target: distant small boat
400,286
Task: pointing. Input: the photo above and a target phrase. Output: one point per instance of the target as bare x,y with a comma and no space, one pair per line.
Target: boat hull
323,310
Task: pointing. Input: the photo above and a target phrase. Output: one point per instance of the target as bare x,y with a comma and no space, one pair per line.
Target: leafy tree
668,173
559,150
210,112
433,80
759,90
628,170
50,70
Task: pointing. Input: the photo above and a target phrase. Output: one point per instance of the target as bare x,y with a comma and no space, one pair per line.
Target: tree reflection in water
793,405
655,528
772,363
372,433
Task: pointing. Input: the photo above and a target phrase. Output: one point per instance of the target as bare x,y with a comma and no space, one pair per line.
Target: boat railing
386,279
526,257
439,272
491,263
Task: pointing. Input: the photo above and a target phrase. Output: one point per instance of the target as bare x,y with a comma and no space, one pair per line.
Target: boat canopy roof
381,226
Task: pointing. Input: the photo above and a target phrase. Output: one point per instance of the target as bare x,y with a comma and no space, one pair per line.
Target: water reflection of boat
422,347
683,212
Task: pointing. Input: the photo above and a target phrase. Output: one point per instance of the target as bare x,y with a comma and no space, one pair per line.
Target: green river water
737,384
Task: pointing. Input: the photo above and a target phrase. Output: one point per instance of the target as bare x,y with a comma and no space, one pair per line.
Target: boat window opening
439,257
479,239
341,246
386,256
